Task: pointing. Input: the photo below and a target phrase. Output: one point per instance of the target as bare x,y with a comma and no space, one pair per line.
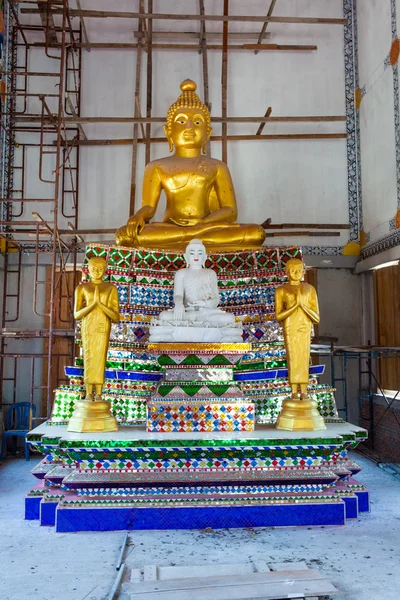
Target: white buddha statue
195,316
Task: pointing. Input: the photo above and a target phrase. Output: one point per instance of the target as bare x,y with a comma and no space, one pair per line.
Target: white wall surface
289,181
378,150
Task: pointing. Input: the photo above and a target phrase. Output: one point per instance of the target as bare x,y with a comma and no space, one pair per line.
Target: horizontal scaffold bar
105,14
214,138
263,119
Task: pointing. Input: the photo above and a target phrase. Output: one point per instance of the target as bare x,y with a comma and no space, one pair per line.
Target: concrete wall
339,295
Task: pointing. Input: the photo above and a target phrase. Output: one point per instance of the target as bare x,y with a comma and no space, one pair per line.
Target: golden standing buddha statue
199,191
296,305
96,305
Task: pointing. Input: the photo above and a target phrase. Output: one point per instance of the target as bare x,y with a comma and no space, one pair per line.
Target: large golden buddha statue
199,191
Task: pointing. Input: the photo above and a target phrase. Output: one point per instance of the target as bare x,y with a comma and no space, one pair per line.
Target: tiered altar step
134,479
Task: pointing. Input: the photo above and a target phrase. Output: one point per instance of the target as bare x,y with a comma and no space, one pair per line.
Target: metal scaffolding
368,362
59,170
51,123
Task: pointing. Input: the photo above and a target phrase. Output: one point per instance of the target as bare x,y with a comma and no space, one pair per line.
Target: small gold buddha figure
296,306
96,305
200,199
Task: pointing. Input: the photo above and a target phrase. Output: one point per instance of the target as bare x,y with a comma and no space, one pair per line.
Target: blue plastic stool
18,422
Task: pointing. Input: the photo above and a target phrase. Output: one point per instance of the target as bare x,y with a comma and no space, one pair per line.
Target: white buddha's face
195,256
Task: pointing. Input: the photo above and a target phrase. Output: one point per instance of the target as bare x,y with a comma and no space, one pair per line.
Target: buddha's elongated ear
170,142
204,148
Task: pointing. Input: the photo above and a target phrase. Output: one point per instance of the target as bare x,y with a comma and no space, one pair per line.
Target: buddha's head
97,267
188,120
295,270
195,254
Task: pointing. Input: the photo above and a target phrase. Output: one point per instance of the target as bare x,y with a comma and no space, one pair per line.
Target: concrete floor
360,559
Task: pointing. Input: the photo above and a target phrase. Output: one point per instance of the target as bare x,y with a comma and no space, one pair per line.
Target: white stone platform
195,334
138,432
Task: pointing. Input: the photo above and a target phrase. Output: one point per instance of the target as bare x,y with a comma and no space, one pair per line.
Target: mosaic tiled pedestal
199,397
142,480
247,282
179,459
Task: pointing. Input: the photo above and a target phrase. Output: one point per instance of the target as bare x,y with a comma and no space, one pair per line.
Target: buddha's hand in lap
203,304
186,222
196,305
179,311
134,226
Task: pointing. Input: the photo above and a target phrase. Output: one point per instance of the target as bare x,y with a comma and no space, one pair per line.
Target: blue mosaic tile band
199,489
122,375
256,375
274,374
117,519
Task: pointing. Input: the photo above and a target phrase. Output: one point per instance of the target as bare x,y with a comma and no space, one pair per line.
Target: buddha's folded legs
216,317
221,235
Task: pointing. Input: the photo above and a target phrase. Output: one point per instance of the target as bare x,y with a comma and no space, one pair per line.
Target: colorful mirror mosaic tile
196,438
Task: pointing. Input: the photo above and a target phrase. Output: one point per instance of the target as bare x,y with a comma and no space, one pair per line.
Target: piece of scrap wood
270,585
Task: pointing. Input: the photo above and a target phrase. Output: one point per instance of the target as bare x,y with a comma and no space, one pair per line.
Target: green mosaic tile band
131,260
155,453
131,406
337,441
191,389
127,410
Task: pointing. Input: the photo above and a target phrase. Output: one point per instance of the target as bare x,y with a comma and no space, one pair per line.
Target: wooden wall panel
387,318
63,348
